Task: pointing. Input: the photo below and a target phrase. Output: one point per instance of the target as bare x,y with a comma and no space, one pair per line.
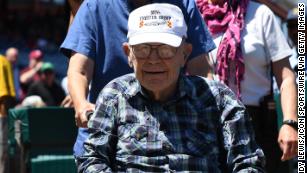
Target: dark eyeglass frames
142,51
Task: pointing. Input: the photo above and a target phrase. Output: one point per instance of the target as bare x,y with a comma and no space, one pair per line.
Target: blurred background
30,24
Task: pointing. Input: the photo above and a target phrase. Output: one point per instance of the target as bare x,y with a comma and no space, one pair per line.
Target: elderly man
94,47
158,119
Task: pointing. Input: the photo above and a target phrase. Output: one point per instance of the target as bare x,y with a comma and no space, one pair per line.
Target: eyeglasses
142,51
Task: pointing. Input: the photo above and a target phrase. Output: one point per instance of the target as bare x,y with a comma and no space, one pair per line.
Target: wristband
291,123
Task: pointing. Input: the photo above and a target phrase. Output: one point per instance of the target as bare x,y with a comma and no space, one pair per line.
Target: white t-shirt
64,85
261,41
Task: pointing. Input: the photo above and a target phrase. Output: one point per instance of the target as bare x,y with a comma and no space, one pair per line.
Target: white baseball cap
157,23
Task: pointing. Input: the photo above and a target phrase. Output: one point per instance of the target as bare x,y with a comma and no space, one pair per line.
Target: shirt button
167,147
138,136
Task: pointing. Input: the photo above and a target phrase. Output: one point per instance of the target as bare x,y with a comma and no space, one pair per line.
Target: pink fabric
230,21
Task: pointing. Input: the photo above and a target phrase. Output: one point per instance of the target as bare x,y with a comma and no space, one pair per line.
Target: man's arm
285,78
201,40
79,75
200,66
28,75
100,146
242,151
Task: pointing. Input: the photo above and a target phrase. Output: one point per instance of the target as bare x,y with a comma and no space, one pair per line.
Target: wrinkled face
157,66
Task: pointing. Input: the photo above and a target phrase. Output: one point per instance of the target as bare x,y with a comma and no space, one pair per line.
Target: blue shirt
100,28
203,128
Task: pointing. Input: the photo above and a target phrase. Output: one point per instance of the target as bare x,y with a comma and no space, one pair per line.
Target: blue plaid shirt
202,128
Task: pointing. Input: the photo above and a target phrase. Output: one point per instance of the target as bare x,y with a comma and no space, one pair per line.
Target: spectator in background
7,100
30,73
67,102
33,101
250,42
12,56
47,88
64,85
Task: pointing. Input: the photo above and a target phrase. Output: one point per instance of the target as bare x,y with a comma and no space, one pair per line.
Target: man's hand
80,115
80,72
67,102
38,66
287,140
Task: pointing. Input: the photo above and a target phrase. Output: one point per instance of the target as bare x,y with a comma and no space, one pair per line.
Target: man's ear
126,48
127,52
187,51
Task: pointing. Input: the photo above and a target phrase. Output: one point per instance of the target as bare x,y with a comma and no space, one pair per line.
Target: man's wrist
292,123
